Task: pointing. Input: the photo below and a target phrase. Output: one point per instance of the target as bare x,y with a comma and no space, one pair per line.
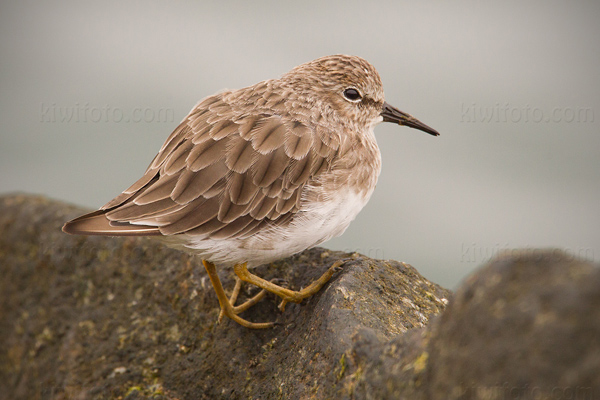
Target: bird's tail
96,223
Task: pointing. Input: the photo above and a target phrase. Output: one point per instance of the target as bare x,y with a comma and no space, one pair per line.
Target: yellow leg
287,295
245,305
226,306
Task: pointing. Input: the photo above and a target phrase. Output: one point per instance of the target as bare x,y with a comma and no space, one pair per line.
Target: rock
526,326
97,317
128,318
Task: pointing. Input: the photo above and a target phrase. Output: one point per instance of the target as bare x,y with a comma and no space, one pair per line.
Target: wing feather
241,188
192,184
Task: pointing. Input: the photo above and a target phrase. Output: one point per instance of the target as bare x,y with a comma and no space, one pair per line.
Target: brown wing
219,173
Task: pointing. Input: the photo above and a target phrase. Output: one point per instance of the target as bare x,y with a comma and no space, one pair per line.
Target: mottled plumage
260,173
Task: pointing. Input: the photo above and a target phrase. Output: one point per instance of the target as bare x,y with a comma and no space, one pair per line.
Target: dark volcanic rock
128,318
527,326
96,317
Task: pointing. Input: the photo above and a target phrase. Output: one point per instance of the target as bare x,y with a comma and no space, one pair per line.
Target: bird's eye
352,94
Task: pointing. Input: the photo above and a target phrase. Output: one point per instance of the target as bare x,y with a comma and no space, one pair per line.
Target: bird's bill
392,114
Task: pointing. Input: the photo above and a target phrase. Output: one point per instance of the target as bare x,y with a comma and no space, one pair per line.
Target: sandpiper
257,174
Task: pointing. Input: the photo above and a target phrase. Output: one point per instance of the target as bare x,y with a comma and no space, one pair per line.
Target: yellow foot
241,270
245,305
287,295
227,308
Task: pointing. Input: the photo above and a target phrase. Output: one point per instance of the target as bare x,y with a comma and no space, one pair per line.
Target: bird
257,174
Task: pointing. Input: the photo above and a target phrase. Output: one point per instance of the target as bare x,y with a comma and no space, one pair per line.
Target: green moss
421,362
342,364
133,389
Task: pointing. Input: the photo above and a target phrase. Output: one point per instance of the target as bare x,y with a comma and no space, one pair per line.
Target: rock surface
527,326
102,318
97,317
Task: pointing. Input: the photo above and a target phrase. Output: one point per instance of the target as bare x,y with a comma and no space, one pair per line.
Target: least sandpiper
257,174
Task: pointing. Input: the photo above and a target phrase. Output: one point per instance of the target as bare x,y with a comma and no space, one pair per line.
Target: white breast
312,226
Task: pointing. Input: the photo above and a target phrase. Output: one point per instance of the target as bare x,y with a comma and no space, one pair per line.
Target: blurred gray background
90,90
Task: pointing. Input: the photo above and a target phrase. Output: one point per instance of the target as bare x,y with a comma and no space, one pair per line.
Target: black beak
392,114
